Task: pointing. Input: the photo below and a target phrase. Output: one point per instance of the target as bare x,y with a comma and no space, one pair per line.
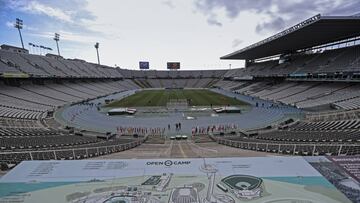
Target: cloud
10,24
232,7
34,7
274,25
71,15
169,4
213,21
277,14
236,43
64,11
68,36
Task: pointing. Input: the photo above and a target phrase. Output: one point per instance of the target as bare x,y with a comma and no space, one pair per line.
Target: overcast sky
193,32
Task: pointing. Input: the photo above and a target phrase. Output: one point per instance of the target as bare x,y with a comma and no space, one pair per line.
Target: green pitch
161,97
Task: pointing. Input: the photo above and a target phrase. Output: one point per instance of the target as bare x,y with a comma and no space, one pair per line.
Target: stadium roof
312,32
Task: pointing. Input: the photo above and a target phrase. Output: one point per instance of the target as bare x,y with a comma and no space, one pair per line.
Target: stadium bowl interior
305,101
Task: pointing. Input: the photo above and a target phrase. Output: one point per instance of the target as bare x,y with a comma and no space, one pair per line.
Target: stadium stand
27,103
315,74
318,74
301,94
338,60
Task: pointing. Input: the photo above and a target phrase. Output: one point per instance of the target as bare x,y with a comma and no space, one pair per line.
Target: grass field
161,97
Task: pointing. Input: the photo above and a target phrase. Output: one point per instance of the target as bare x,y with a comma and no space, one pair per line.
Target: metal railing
67,154
333,115
306,149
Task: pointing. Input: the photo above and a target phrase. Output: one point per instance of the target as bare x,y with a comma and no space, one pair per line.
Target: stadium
303,102
244,186
298,95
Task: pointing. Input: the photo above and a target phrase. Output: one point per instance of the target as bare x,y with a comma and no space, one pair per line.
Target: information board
173,65
202,180
144,65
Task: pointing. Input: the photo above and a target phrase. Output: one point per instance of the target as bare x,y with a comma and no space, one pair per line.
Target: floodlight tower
97,51
19,25
57,39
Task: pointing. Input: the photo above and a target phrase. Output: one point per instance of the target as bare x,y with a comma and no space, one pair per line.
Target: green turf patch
161,97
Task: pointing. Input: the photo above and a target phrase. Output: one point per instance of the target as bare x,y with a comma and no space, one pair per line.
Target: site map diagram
202,180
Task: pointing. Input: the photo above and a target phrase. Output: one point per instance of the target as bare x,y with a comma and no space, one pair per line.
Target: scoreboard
173,65
144,65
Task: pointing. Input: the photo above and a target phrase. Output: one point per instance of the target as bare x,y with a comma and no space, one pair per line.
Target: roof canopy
312,32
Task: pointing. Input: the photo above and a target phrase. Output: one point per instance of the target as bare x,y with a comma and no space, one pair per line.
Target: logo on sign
167,163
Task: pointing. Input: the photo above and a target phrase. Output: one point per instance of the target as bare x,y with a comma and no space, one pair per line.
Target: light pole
19,25
57,39
97,51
